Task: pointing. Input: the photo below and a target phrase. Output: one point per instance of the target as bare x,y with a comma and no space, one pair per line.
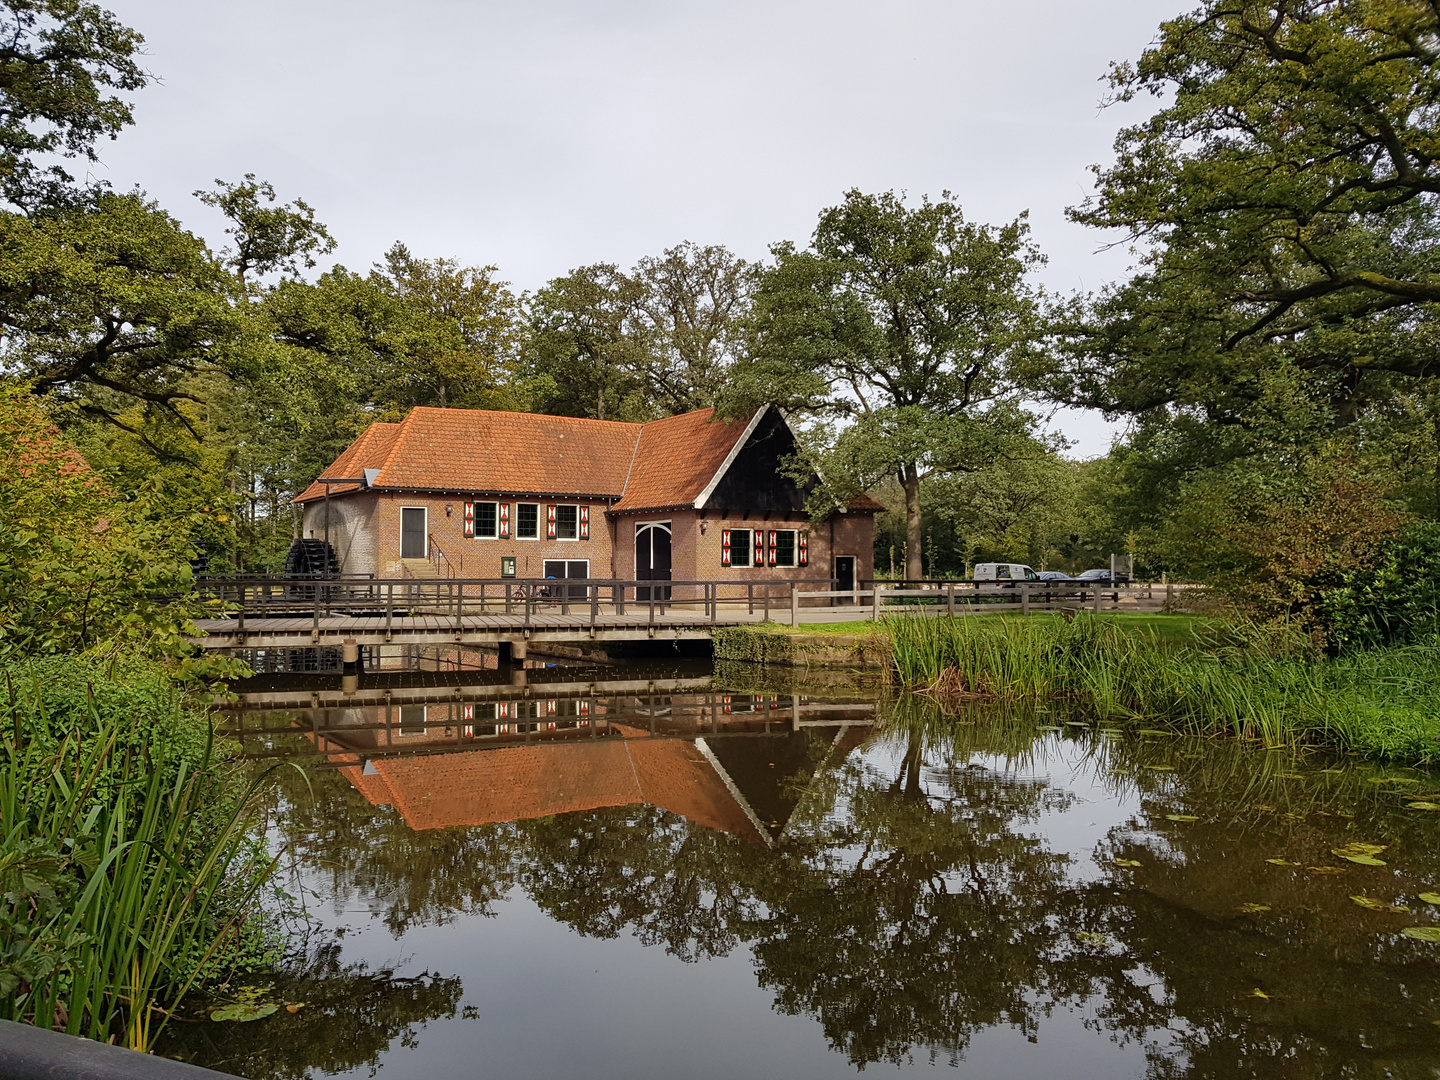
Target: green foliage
79,568
63,59
908,322
1250,682
659,340
126,869
1394,599
267,238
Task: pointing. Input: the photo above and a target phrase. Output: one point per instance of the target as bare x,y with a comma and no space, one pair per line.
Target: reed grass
124,878
1247,682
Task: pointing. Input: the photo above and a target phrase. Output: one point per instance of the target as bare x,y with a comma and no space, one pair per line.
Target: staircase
422,569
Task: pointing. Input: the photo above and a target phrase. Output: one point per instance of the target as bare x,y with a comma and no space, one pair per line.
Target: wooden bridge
264,612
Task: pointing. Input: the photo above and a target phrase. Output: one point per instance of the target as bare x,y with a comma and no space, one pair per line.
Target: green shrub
1394,601
127,871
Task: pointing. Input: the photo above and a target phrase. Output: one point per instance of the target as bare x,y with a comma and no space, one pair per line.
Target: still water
651,872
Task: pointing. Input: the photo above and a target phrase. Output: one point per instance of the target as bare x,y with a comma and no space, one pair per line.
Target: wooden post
750,595
617,594
389,608
1025,599
767,602
794,606
875,601
714,590
1097,599
950,598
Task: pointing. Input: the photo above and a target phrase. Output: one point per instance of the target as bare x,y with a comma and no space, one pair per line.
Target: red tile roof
677,458
660,465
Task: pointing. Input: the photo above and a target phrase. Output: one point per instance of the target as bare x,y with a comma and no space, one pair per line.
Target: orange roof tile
366,452
665,463
677,458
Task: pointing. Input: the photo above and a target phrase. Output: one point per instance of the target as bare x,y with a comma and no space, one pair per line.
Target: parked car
1054,577
1101,576
991,573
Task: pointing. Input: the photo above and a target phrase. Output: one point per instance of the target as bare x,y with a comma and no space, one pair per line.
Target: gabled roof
678,458
663,465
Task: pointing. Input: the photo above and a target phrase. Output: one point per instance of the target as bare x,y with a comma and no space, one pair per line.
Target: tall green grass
127,869
1385,702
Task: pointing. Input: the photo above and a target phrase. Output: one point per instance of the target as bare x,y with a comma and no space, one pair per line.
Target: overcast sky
548,134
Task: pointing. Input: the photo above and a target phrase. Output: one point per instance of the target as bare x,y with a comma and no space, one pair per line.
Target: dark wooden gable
754,484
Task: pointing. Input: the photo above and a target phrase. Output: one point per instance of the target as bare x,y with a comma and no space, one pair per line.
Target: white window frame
794,548
538,523
575,508
750,563
487,536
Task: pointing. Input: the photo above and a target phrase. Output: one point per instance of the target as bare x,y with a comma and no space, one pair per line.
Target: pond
649,871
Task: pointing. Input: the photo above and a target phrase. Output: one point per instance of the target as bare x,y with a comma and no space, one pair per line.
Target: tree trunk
910,481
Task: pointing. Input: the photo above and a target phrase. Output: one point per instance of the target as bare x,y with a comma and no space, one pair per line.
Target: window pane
740,547
567,522
487,520
785,547
527,521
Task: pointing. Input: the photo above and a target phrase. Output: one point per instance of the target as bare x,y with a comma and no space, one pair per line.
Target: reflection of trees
356,854
913,899
349,1017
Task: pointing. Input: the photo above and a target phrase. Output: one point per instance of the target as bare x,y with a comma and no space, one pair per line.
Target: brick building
478,494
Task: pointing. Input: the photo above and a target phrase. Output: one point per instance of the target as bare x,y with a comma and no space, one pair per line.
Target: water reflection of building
446,756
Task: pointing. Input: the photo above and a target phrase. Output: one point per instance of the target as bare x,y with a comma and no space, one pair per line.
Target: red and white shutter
724,547
469,519
550,522
772,547
802,548
505,521
584,523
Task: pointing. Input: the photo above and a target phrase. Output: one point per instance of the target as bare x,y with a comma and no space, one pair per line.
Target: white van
1003,573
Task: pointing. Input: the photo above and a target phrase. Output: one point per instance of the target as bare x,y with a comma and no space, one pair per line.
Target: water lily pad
1424,805
1181,817
1254,909
242,1012
1090,937
1327,869
1350,850
1379,905
1430,897
1128,862
1364,860
1423,933
1282,862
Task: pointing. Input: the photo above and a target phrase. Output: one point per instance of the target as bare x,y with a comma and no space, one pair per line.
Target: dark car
1101,576
1054,577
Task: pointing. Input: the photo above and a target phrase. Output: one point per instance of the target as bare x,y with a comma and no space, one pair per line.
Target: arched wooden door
652,558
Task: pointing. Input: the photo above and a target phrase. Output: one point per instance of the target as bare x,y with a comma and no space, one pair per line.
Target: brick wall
478,557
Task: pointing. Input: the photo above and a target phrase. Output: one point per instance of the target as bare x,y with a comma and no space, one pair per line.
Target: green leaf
1128,862
1364,860
1430,897
1254,909
1379,905
1282,862
1424,805
242,1012
1423,933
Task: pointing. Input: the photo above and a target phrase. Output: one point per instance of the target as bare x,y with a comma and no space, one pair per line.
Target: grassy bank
127,872
1384,702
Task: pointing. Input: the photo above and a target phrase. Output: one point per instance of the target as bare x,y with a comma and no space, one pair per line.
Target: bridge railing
532,599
